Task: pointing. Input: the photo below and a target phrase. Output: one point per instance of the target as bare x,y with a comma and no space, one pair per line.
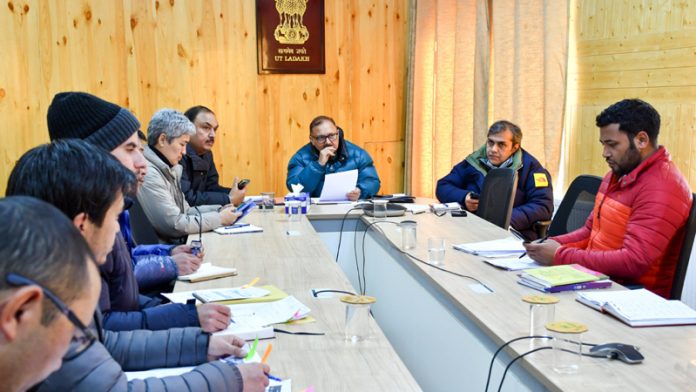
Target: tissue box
303,198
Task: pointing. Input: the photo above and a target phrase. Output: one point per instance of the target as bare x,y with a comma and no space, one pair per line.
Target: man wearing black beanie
115,130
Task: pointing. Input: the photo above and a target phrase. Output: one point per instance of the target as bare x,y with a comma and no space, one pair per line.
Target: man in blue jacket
328,152
534,196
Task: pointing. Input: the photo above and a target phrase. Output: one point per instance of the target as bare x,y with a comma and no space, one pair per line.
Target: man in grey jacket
49,288
88,185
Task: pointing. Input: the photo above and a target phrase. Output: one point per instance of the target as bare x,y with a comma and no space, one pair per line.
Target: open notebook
639,308
207,271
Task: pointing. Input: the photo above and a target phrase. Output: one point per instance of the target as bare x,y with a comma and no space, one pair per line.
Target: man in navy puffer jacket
534,195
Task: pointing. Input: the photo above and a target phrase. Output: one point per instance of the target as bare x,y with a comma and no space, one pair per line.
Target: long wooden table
296,264
445,328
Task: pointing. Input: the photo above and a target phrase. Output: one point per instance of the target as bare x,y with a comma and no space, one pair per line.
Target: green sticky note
252,352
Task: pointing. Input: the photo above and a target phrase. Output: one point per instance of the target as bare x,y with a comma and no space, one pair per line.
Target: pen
266,353
253,282
274,378
540,241
237,225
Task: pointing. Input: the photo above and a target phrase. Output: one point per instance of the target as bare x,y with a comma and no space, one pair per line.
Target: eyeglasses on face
323,138
83,338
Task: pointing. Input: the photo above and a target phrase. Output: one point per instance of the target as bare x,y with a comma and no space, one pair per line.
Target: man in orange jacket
636,229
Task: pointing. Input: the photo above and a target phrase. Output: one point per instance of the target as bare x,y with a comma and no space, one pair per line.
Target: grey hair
173,124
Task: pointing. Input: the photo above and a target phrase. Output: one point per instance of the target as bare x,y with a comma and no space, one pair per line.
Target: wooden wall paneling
142,59
673,39
235,87
650,59
147,55
632,48
8,89
390,157
665,77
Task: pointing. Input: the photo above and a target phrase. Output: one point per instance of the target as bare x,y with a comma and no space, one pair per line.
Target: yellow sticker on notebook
540,180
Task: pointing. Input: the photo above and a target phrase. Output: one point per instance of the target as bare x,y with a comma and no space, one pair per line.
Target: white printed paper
337,185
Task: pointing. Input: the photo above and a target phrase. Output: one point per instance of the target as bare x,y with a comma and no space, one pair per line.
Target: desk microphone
197,245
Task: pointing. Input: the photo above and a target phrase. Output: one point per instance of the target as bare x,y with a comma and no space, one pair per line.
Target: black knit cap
78,115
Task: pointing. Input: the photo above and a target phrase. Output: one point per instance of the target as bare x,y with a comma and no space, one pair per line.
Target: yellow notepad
561,275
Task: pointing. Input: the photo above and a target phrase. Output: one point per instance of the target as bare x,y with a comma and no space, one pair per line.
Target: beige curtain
475,62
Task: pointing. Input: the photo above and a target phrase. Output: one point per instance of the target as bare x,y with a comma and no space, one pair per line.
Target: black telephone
242,183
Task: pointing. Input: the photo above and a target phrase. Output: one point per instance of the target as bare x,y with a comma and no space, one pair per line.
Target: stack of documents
416,208
207,271
231,294
563,278
269,313
439,207
640,308
506,247
255,320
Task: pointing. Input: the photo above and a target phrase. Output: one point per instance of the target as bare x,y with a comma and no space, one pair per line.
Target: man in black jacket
200,179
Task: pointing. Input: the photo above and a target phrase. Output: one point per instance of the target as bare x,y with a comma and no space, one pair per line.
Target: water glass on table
267,201
436,250
380,208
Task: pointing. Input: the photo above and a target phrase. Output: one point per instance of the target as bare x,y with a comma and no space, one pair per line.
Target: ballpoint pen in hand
540,241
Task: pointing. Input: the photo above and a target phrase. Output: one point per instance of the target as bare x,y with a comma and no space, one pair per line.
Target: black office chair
685,254
498,196
143,232
576,206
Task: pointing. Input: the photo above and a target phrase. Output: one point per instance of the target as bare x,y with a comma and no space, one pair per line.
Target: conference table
433,330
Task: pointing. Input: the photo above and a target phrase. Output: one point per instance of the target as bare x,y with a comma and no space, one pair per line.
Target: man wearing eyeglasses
87,185
199,178
49,287
328,152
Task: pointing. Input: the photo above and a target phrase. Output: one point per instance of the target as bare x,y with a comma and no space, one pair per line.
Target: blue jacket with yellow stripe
534,196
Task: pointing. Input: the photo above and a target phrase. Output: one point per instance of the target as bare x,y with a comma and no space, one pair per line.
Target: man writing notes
328,152
636,229
534,195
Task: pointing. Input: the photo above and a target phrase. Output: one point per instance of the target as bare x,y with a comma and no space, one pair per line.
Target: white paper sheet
239,228
513,263
227,294
269,313
337,185
179,297
506,247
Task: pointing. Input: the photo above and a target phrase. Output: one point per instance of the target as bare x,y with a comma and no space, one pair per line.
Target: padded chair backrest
576,206
143,232
498,196
685,254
